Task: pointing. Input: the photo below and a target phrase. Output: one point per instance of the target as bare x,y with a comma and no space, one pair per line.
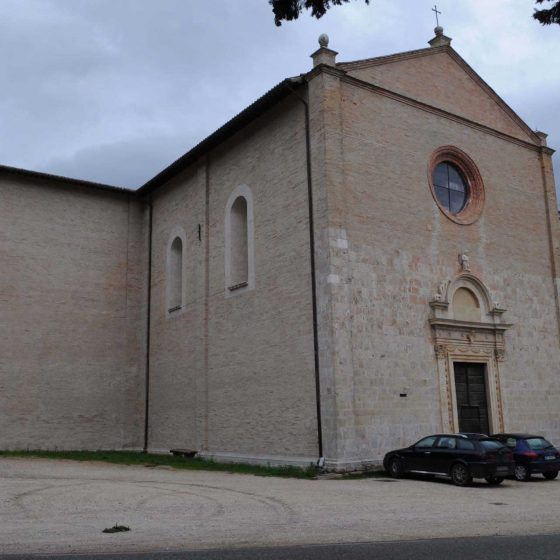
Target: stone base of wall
329,465
358,465
264,460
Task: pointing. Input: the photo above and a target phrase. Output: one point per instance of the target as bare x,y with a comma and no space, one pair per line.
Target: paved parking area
63,506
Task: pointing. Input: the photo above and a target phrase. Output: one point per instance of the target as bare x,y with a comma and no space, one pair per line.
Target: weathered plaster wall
233,375
390,247
71,327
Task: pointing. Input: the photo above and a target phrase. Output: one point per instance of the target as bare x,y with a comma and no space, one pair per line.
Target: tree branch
546,17
287,10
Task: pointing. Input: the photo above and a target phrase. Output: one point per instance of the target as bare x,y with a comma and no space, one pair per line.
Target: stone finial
542,137
324,55
440,39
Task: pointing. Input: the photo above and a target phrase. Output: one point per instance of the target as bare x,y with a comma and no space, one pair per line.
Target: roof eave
242,119
61,179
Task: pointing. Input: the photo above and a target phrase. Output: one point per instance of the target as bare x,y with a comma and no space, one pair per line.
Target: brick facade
72,326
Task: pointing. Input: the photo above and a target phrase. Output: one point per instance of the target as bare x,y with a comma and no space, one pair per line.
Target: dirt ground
51,506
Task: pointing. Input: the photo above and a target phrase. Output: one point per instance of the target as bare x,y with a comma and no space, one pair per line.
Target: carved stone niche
466,300
465,318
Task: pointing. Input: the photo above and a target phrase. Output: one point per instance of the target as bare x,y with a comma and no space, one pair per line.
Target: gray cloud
114,90
126,163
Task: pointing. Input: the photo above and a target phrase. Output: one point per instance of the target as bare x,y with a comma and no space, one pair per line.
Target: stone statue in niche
464,261
442,291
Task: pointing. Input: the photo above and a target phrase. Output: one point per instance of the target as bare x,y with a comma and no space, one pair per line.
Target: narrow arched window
239,243
239,259
175,276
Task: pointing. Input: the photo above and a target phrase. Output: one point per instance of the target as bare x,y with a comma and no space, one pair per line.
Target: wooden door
472,402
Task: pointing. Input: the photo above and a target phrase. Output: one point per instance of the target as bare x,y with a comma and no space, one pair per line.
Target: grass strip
151,460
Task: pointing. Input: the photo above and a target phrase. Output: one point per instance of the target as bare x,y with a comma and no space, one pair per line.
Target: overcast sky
115,90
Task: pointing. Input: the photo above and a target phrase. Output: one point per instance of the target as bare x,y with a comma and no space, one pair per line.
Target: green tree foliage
552,15
287,10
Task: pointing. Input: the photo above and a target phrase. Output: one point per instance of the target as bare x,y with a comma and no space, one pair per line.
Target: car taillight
530,454
491,456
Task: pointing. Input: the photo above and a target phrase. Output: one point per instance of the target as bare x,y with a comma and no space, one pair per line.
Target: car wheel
494,480
460,475
550,475
396,469
521,473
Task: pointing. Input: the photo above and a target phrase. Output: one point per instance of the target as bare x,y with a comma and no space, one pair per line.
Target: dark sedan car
455,455
532,455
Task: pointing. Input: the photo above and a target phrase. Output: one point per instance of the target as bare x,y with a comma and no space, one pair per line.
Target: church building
367,254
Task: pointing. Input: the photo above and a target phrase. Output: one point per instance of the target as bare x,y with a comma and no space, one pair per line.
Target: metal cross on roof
434,9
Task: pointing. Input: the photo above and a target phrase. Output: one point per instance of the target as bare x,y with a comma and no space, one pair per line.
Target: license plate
550,457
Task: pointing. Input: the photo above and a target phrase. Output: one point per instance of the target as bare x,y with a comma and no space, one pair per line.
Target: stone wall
71,326
232,374
391,247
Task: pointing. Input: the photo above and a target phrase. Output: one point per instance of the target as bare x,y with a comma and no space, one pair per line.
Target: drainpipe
545,155
148,326
300,80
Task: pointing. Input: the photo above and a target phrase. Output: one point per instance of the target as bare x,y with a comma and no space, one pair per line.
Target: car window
491,445
446,443
426,442
538,443
465,444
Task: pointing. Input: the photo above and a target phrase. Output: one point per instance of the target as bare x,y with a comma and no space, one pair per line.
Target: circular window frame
474,204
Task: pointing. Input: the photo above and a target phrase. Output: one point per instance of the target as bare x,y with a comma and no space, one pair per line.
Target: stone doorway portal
471,397
468,330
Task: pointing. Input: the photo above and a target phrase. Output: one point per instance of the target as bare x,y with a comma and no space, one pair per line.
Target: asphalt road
534,547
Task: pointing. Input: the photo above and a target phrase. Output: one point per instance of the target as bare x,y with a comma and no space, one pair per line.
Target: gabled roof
358,65
376,60
60,179
267,101
284,88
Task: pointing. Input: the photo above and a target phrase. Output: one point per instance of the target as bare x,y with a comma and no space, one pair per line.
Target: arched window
239,263
239,241
175,275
